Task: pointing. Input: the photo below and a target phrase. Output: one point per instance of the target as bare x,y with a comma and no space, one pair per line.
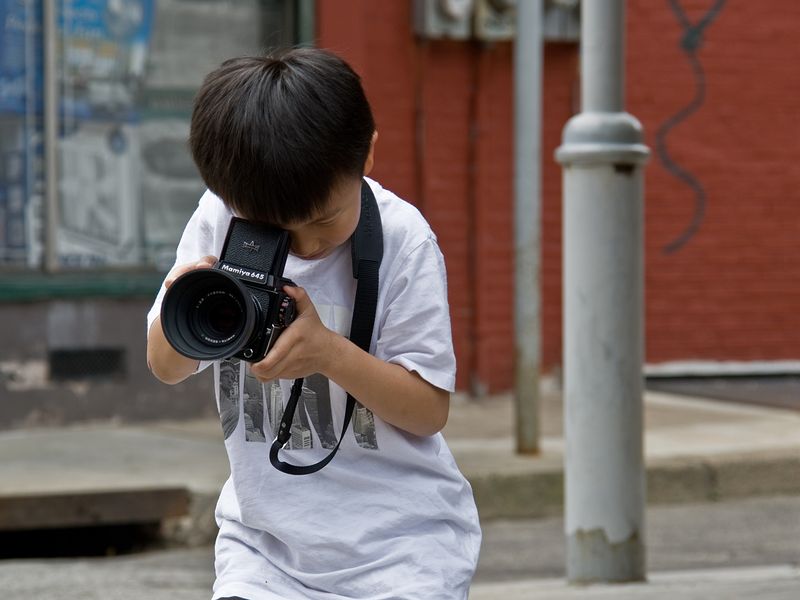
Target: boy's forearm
398,396
162,359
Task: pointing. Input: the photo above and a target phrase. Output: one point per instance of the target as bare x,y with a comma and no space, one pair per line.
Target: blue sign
105,49
20,56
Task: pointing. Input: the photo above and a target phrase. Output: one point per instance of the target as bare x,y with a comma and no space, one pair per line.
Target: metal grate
87,363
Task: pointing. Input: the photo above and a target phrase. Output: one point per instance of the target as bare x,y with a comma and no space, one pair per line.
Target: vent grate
87,363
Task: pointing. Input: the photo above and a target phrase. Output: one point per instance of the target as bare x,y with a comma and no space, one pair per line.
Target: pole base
592,559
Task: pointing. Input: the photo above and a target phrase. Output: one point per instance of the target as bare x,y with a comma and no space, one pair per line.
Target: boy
286,140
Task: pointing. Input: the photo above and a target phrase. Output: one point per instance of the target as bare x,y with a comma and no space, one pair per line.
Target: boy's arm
163,361
396,395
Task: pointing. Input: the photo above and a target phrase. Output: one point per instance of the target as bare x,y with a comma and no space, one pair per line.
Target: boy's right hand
204,263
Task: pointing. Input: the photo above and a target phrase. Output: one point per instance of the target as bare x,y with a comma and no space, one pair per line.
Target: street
757,532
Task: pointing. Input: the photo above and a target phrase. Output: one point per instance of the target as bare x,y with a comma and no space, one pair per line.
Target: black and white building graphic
229,395
364,428
253,409
317,399
274,406
263,404
301,439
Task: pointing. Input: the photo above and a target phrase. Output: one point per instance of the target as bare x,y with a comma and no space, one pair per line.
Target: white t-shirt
391,516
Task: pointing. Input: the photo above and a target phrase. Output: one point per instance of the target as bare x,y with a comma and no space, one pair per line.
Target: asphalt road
753,532
756,531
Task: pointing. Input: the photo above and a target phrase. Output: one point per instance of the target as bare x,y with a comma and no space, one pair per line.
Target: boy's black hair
272,135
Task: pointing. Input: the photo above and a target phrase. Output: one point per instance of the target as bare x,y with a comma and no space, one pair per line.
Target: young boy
286,140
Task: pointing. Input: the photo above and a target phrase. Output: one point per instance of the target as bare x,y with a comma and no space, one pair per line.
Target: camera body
238,307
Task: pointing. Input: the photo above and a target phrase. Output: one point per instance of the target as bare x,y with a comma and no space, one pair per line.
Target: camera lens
218,317
207,314
224,318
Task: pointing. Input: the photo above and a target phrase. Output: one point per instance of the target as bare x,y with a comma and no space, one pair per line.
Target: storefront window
21,106
127,72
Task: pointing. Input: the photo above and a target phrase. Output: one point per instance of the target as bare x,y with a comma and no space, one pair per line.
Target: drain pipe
51,125
527,221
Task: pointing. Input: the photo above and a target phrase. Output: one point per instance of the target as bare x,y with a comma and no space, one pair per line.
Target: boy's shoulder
404,227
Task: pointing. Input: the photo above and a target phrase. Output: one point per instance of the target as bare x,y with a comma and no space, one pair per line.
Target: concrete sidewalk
696,450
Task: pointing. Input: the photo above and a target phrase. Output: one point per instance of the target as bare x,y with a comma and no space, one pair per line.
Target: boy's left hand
302,349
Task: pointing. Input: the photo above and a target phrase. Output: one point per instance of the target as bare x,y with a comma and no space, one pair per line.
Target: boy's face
324,232
332,226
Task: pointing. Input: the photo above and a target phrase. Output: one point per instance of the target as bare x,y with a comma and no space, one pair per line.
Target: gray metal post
602,156
51,100
527,226
306,27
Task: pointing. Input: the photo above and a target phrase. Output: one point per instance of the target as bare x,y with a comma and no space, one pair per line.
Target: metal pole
527,226
51,100
602,156
527,210
306,27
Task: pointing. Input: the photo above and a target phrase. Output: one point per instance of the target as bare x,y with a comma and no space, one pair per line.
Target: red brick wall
444,113
732,292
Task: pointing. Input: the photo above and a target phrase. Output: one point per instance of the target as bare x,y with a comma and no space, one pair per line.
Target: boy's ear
370,161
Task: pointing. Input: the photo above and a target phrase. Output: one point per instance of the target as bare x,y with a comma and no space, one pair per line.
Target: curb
538,491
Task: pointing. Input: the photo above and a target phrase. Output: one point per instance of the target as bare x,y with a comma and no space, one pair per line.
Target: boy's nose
304,247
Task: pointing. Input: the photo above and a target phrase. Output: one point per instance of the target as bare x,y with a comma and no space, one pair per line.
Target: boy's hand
302,349
204,263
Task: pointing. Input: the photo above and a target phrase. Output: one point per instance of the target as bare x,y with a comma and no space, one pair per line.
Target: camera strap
367,249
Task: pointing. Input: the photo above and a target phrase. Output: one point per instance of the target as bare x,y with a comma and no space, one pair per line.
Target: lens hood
208,314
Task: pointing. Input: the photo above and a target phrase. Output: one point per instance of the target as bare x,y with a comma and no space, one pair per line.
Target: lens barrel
208,314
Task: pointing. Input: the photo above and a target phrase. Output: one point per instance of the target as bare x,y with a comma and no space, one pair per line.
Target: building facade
96,182
713,85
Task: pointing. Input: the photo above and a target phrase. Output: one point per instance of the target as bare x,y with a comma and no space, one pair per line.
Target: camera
237,308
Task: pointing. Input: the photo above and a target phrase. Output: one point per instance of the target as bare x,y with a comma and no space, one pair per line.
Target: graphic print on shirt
317,400
302,438
253,408
274,401
339,318
264,403
229,394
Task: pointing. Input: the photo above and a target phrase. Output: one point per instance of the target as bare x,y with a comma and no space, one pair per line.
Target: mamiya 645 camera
238,307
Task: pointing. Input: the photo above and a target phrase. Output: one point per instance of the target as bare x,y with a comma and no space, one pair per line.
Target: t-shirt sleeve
196,242
415,323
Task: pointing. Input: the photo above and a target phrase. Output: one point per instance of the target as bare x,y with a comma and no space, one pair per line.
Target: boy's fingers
300,297
207,261
267,370
204,263
269,366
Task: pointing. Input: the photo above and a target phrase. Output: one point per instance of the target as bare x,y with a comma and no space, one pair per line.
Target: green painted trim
27,286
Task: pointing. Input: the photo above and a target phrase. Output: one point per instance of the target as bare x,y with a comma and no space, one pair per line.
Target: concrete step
92,508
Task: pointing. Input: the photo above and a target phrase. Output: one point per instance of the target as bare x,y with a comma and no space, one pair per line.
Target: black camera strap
367,250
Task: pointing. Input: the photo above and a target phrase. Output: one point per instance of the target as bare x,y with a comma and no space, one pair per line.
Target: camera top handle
367,249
